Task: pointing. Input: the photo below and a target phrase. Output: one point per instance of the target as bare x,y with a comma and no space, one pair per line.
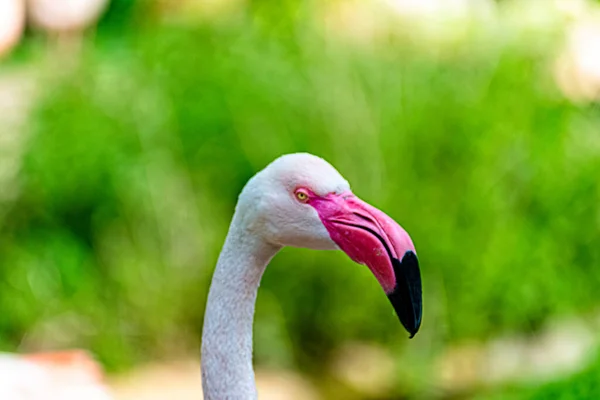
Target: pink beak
372,238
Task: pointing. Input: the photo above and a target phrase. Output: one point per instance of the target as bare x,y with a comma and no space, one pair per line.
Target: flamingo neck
227,371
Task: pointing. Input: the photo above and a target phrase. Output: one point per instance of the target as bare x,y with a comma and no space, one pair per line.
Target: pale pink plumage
68,375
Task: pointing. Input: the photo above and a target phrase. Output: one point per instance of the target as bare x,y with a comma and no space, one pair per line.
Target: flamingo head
300,200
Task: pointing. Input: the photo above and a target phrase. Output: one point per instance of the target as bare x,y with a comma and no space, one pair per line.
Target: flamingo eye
302,196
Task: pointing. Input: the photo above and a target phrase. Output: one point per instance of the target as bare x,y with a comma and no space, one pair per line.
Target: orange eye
302,196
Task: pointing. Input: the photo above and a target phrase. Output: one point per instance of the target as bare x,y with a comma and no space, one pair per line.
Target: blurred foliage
138,149
583,385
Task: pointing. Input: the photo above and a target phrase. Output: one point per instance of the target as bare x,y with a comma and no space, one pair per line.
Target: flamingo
298,200
12,24
65,15
62,375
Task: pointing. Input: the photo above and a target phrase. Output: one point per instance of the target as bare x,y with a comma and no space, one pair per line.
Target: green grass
583,385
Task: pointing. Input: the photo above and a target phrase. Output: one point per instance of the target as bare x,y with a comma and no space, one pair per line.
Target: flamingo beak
370,237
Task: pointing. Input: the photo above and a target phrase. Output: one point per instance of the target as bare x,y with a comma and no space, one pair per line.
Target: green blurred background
143,129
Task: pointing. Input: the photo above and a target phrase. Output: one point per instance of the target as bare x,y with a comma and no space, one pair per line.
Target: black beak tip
406,297
412,330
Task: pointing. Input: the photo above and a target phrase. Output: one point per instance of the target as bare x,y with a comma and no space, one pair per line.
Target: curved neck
227,333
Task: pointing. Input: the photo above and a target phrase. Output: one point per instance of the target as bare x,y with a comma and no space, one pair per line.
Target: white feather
267,217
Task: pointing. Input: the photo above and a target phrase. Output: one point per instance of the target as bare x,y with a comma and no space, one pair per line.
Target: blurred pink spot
67,375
